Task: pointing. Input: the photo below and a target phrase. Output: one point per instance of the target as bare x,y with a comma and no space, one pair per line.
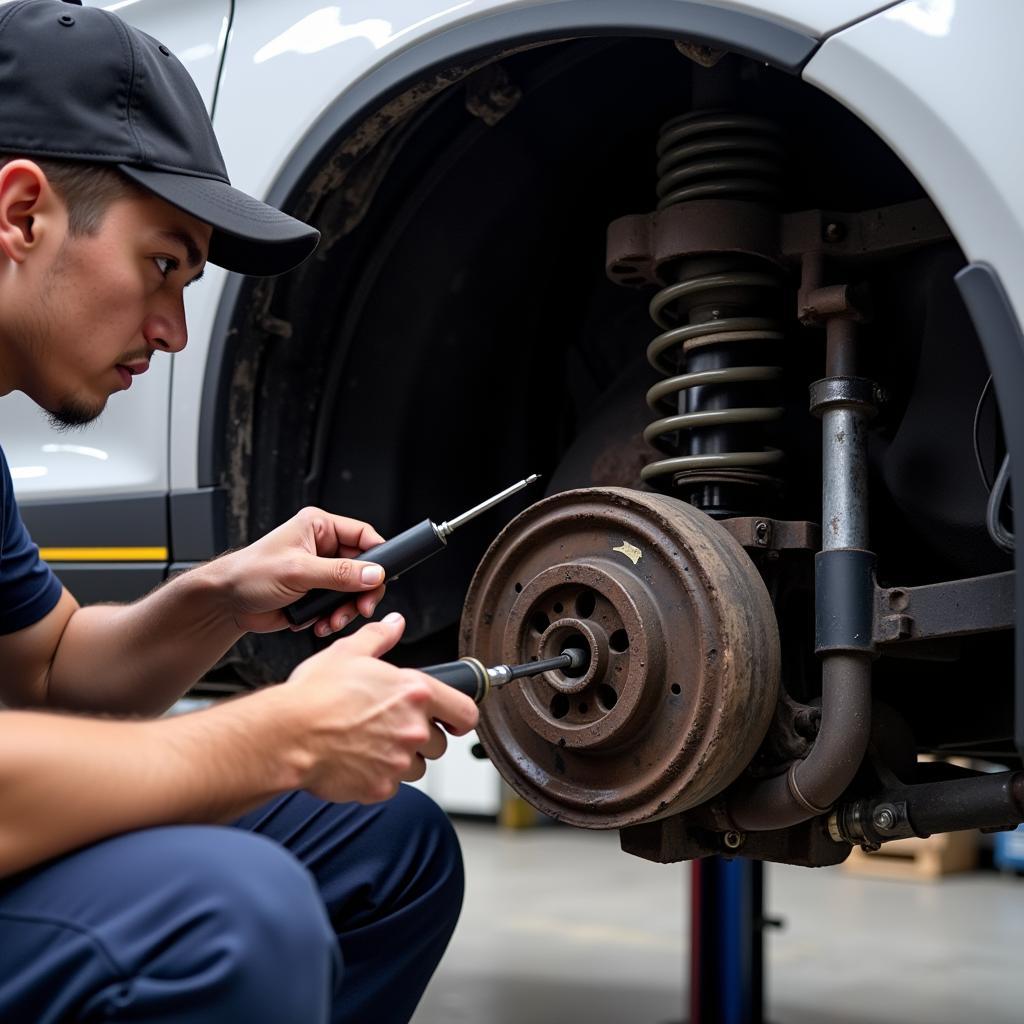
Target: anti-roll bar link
844,601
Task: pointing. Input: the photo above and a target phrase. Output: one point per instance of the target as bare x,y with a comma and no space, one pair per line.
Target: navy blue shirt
28,589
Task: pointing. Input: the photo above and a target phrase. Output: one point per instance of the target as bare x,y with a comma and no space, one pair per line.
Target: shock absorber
719,316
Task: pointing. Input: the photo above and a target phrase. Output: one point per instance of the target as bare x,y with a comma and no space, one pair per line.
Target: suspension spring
717,320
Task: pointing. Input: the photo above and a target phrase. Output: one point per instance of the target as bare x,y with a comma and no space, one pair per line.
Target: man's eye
165,264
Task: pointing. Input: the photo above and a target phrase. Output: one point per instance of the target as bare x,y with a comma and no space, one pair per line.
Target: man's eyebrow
195,257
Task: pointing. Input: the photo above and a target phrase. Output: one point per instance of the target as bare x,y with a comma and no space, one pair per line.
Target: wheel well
457,330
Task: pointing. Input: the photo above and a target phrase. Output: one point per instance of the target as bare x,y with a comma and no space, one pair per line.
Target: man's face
92,309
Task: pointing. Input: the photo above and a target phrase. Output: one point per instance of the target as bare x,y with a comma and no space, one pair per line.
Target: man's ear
28,208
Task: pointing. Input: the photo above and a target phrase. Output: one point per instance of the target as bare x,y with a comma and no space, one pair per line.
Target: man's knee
237,926
429,828
250,887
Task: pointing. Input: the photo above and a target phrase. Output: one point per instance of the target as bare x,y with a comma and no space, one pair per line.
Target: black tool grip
466,675
394,556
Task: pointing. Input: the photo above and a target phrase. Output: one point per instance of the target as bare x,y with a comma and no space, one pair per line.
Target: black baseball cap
79,83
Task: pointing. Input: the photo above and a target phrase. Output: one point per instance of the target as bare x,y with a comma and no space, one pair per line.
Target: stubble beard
72,412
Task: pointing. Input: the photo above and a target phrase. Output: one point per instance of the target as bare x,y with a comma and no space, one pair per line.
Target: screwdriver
471,677
398,555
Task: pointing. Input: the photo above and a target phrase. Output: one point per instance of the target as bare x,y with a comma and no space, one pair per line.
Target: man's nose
166,331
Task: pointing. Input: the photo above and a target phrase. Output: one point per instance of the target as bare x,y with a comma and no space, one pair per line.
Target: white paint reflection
200,52
321,29
28,472
76,449
324,28
932,17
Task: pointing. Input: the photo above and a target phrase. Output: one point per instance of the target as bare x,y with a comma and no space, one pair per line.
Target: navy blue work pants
302,912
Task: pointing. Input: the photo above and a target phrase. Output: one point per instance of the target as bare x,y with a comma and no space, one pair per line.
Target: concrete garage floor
560,927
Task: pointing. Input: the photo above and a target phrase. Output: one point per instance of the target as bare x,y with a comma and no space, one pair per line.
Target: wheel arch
468,43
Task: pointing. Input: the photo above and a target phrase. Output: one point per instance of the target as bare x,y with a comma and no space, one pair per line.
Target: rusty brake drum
683,655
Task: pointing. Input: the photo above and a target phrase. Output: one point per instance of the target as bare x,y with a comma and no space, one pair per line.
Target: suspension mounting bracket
640,245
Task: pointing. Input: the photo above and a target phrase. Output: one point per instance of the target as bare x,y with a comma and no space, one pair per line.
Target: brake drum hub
683,656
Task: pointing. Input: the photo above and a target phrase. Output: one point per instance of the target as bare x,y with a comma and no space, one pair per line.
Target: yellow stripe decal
104,554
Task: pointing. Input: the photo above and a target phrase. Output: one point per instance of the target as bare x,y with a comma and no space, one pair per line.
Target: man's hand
364,726
312,550
140,658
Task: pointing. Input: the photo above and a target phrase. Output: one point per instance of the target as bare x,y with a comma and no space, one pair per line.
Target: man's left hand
312,550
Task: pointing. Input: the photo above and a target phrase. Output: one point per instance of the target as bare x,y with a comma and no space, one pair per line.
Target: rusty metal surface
670,840
684,668
763,534
640,245
883,231
981,604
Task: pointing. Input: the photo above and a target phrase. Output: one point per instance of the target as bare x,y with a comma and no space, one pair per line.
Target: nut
835,231
884,818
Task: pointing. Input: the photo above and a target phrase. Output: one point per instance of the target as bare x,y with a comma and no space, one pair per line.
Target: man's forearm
66,781
139,658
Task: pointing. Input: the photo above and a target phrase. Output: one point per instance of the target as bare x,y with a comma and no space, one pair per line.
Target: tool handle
394,556
466,675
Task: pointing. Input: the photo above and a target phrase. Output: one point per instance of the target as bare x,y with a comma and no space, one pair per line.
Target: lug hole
557,608
540,622
583,707
519,588
676,689
619,641
559,705
585,604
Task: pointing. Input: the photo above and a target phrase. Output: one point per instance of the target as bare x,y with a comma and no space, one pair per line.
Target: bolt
762,533
835,231
734,840
884,818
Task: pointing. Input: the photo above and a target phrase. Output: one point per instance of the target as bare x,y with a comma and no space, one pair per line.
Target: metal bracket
982,604
639,245
762,534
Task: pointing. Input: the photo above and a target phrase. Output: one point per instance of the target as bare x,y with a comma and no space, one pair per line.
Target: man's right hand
365,725
345,726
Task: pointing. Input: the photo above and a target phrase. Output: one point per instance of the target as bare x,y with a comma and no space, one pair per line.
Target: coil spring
704,317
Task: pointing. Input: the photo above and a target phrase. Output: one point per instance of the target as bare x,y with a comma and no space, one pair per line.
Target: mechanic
257,860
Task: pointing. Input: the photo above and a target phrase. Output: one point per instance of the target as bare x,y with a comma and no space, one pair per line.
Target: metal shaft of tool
396,556
474,679
499,675
447,528
533,668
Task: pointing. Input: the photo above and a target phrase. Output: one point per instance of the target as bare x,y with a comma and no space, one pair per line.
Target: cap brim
249,237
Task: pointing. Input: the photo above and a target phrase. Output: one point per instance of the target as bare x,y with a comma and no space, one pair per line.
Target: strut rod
844,603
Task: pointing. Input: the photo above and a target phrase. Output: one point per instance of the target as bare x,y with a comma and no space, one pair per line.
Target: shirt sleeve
28,588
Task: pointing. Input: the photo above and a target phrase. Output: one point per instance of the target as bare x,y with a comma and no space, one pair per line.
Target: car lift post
726,941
